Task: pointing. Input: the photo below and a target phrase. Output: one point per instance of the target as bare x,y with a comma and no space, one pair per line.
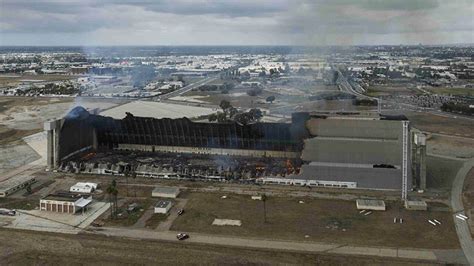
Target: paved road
188,88
421,254
345,86
166,225
462,227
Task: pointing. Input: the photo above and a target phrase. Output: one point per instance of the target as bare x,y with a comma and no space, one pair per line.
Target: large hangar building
355,152
342,150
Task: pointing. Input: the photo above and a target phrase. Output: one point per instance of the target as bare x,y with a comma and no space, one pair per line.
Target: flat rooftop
162,204
14,181
156,110
370,204
63,196
166,190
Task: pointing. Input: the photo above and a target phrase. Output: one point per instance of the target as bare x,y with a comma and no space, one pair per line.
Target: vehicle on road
181,211
182,236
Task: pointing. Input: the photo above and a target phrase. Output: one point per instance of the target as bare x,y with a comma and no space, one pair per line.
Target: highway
188,88
345,86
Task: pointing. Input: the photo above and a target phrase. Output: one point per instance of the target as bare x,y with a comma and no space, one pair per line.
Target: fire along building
331,150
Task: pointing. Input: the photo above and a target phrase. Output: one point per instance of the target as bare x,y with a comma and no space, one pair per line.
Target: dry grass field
441,124
450,146
33,248
331,221
440,172
14,80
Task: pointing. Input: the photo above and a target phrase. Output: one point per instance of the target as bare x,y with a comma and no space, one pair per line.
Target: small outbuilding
83,187
14,184
416,205
165,192
370,204
163,206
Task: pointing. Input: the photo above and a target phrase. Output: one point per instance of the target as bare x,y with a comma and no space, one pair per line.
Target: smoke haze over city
243,22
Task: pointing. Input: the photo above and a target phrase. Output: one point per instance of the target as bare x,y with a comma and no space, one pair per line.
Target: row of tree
230,113
457,108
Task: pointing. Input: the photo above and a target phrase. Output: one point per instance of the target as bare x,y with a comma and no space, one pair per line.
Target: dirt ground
331,221
468,197
33,248
29,113
390,89
440,124
14,80
450,146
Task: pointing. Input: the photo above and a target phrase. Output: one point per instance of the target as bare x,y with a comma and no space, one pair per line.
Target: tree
232,111
221,117
113,193
287,68
254,92
270,99
212,117
255,114
264,201
28,189
225,105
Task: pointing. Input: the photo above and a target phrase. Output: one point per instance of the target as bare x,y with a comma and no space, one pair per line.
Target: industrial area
300,159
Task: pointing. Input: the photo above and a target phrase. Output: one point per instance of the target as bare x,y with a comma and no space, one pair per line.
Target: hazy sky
239,22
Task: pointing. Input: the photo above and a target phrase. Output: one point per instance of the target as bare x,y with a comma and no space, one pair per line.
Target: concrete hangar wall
365,151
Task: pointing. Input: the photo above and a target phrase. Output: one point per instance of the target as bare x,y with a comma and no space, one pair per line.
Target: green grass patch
19,204
440,172
453,91
125,218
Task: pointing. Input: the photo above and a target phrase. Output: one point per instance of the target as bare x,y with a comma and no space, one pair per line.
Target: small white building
163,206
64,203
165,192
83,187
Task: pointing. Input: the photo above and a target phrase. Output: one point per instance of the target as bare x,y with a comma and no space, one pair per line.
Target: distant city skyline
239,22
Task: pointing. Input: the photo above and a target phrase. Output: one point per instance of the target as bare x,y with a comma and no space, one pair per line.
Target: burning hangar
337,150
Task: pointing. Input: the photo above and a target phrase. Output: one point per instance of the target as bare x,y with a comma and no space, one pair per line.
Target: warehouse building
65,202
14,184
165,192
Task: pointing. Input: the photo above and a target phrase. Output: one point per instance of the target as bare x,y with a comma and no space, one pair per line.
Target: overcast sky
235,22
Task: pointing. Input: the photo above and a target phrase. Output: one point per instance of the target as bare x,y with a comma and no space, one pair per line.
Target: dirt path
166,225
141,223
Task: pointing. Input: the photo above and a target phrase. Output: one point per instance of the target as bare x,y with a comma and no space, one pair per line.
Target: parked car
182,236
7,212
181,211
